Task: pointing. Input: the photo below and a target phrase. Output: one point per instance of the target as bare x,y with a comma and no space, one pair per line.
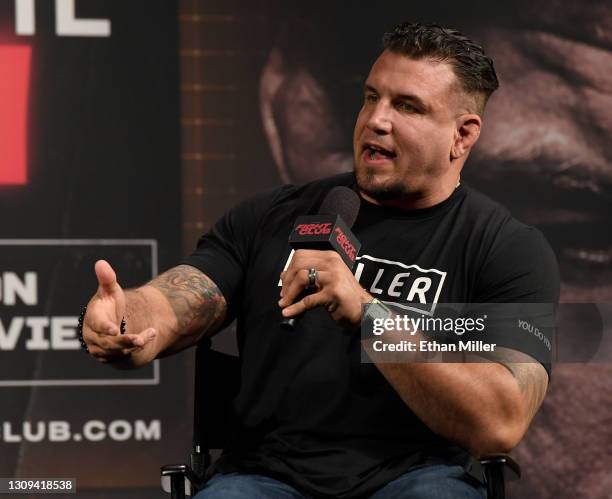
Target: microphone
330,229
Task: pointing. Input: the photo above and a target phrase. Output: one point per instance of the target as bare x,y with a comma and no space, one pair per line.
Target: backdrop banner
89,169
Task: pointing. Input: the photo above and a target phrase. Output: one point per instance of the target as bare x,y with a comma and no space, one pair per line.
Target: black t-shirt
309,412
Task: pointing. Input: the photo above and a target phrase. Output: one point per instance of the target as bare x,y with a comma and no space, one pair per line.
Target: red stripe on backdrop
14,86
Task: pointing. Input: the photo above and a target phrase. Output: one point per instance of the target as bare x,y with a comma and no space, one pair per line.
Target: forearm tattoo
195,299
532,381
530,376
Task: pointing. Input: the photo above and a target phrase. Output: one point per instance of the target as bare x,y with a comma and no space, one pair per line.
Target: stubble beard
380,191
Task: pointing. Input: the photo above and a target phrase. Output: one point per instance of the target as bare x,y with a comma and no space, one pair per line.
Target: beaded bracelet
84,347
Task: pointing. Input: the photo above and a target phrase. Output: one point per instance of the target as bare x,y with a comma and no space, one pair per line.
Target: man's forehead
433,81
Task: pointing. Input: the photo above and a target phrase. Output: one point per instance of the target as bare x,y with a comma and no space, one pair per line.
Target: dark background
154,132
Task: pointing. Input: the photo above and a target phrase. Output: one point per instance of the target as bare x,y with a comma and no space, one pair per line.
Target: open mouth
376,152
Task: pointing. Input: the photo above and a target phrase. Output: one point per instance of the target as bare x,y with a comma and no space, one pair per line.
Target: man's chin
380,189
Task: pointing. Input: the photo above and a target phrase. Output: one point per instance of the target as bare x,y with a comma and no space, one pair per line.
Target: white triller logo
407,286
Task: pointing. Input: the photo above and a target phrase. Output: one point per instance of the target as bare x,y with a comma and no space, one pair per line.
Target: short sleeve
521,268
223,252
518,292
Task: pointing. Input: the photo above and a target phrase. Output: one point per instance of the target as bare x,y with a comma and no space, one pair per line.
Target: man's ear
466,135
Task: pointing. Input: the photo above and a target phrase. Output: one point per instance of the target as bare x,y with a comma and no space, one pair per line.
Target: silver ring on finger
312,279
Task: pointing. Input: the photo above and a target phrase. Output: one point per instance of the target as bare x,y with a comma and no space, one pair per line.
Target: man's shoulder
478,200
506,231
485,211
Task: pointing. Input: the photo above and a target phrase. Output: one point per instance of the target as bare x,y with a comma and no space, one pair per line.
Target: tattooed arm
184,304
170,313
531,378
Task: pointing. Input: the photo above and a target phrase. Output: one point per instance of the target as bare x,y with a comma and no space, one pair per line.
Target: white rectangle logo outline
152,243
412,266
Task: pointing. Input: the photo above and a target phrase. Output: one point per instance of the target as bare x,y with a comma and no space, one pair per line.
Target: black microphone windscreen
341,201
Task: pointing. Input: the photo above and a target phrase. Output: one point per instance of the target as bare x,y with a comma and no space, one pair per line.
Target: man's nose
379,120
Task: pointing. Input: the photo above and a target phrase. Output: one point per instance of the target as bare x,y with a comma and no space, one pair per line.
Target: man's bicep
197,302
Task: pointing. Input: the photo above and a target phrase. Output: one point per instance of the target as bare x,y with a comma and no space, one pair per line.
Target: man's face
406,127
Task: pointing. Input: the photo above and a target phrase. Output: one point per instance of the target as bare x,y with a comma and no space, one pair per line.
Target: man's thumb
107,278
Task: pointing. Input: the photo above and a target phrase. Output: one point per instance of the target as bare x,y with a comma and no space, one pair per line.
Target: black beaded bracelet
122,328
80,329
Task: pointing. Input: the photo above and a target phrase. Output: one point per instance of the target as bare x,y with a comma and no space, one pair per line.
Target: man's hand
337,289
101,328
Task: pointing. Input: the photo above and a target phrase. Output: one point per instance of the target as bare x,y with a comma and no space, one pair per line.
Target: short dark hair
472,67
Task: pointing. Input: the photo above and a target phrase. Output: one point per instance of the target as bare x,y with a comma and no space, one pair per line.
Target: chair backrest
217,380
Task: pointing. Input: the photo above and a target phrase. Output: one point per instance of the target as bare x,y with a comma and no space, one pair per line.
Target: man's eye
404,106
371,97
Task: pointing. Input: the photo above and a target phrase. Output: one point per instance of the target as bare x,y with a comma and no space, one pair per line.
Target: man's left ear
466,134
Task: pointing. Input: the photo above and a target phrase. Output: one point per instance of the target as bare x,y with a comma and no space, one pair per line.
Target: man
545,154
311,419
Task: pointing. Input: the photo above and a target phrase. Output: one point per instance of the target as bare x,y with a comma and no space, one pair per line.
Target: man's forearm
193,307
478,406
484,405
484,402
182,305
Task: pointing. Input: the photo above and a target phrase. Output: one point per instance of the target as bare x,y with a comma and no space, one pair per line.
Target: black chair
181,480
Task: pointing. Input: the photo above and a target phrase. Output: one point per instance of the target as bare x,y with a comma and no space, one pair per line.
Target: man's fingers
102,327
292,287
312,259
107,348
111,344
298,283
129,340
306,303
144,337
107,279
303,260
106,309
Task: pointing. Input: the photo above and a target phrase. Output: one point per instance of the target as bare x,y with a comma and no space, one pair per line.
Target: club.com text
119,430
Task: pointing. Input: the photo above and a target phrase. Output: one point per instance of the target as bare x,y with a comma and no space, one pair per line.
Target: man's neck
415,201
